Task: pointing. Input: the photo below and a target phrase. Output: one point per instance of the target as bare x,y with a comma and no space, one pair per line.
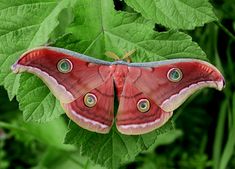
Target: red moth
147,92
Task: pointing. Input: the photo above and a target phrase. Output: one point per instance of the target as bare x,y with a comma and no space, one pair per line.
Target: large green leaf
177,14
113,149
37,101
121,32
24,24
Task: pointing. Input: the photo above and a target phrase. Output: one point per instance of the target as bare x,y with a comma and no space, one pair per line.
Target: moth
147,93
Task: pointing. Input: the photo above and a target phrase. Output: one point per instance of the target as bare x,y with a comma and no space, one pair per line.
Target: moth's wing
87,75
130,120
98,118
150,81
153,81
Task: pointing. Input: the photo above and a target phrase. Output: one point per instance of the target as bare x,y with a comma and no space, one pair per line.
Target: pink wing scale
84,76
130,120
71,87
98,118
196,74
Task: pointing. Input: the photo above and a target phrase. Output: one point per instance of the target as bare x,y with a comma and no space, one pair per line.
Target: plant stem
10,126
225,30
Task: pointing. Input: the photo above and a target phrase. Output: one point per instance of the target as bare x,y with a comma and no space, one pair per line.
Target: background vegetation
33,127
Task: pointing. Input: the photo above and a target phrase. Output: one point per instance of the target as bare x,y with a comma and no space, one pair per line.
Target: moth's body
119,75
147,92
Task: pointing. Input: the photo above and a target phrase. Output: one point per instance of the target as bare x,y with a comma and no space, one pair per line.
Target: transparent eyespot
64,66
143,105
174,75
90,100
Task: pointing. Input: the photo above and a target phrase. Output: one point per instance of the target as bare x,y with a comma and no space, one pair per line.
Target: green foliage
24,24
114,148
118,31
37,101
94,27
177,14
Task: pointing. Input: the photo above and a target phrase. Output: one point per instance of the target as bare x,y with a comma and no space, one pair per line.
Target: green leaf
24,24
166,139
120,32
176,14
36,101
113,149
12,83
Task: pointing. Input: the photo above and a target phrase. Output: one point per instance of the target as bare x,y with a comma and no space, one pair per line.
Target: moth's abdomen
119,77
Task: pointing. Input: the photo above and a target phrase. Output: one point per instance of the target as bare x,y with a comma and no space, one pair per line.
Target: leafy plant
92,28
